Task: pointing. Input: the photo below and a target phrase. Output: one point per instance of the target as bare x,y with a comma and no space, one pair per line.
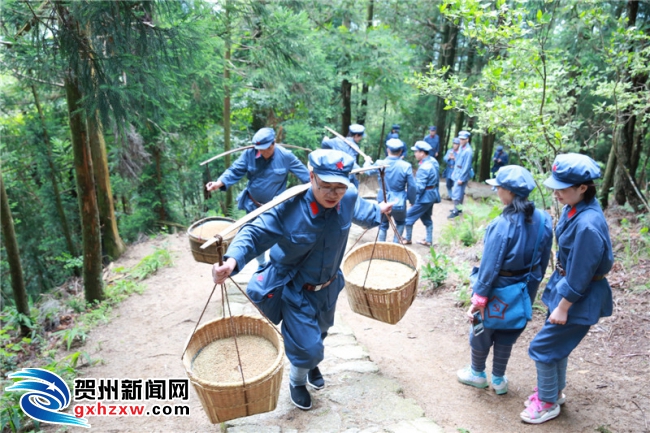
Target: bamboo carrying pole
240,149
290,193
350,143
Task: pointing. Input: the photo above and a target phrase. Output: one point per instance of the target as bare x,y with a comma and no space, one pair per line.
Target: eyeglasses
338,190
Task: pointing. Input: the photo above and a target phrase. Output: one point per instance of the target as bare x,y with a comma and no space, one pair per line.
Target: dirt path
607,386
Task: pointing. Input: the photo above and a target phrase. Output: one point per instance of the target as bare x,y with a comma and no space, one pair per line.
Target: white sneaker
500,384
472,378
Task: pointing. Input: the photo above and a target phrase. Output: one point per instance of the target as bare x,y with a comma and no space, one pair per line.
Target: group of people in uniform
307,238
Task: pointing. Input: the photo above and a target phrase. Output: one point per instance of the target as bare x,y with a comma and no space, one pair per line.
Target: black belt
516,273
317,287
257,203
430,187
562,272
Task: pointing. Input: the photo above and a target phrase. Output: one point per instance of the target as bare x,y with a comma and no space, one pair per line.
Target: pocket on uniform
280,171
268,298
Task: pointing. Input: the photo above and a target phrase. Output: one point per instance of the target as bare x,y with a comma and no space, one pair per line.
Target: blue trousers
306,318
458,193
450,186
553,343
398,216
420,211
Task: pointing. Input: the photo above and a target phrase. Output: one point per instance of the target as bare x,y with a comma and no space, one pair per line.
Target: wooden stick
239,149
290,193
350,143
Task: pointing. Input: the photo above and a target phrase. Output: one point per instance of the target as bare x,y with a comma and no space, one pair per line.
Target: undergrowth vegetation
59,320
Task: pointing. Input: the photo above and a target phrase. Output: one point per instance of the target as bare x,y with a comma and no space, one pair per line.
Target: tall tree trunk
487,143
380,146
363,112
608,179
624,190
346,99
13,256
226,102
446,59
63,220
92,251
162,203
113,244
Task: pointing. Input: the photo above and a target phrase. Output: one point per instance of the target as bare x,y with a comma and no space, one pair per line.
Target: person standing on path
450,160
267,167
500,159
433,140
461,173
356,132
577,294
394,133
426,180
308,235
400,186
508,248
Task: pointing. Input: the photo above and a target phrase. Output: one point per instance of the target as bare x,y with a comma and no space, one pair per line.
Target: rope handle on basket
382,172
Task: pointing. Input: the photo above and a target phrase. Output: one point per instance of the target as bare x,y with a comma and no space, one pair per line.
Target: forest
108,108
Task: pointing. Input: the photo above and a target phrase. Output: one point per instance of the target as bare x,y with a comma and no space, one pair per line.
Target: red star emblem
554,167
339,165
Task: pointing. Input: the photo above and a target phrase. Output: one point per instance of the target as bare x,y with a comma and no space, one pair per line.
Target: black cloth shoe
453,214
300,397
315,379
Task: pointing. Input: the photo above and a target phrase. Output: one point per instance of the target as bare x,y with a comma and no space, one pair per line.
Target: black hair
590,193
396,152
519,205
425,151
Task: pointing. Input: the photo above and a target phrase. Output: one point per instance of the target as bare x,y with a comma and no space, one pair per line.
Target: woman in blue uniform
577,294
307,235
509,246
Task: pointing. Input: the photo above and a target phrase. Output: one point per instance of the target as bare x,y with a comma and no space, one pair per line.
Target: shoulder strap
540,232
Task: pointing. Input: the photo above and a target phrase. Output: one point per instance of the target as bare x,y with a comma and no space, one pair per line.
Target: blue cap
395,144
432,128
264,138
422,145
355,128
331,165
456,140
572,169
396,126
464,134
499,148
515,179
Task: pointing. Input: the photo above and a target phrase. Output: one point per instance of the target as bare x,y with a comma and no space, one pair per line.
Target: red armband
479,301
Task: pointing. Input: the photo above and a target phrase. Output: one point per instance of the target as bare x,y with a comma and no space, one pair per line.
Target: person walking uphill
515,242
400,186
308,235
461,173
356,132
426,180
577,294
267,168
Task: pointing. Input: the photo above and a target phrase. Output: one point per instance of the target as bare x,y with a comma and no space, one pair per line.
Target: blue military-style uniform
499,155
511,255
266,177
450,164
426,180
400,186
337,143
308,243
462,171
584,257
434,142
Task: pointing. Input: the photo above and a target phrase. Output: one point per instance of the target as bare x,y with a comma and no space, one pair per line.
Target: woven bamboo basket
385,305
213,253
226,401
